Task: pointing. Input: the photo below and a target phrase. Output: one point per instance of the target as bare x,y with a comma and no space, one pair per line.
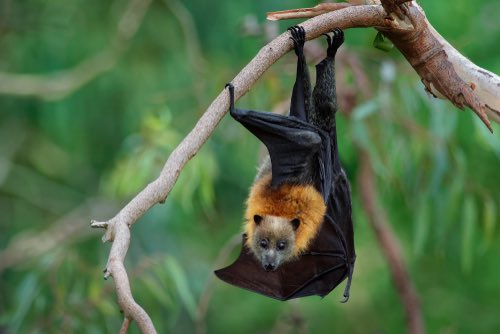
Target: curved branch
119,234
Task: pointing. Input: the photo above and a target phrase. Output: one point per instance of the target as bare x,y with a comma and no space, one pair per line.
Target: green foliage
382,43
436,168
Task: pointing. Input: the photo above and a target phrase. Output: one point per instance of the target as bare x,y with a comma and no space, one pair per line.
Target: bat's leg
231,97
301,95
334,42
324,94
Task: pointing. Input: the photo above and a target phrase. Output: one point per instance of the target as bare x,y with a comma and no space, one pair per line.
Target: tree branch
445,73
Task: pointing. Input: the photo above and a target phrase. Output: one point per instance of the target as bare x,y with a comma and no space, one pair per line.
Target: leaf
157,290
106,307
365,109
489,220
485,138
180,281
382,43
361,136
440,166
26,293
422,224
468,217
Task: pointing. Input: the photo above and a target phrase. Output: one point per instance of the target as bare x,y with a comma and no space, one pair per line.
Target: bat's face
274,240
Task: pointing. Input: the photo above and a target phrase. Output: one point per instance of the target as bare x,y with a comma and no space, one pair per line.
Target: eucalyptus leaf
26,293
180,280
469,217
422,224
365,109
382,43
490,220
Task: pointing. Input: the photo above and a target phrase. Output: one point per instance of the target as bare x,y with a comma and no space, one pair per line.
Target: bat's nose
269,267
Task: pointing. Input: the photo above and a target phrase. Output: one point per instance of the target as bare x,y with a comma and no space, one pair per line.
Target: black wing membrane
296,148
316,272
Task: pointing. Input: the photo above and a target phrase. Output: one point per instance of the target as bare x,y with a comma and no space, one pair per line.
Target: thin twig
125,324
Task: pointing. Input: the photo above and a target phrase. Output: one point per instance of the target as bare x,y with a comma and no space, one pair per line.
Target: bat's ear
257,219
295,223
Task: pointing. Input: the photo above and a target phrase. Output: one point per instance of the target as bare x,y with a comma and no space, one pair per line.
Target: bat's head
280,222
273,241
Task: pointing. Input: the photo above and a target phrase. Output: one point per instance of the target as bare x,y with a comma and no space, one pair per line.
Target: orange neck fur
289,201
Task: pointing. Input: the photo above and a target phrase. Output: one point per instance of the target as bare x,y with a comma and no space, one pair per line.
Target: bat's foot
347,289
298,37
334,41
231,96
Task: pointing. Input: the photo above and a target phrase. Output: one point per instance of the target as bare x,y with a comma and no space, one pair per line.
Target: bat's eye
295,223
281,245
257,219
264,243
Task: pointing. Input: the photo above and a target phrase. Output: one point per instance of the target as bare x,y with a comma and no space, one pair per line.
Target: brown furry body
301,202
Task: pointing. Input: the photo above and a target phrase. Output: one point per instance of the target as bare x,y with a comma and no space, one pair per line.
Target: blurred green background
77,145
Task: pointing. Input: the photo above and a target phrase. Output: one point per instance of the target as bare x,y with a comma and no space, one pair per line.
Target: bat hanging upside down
298,238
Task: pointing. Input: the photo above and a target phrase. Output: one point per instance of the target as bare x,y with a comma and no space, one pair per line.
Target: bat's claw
298,37
328,39
335,41
346,297
231,96
347,289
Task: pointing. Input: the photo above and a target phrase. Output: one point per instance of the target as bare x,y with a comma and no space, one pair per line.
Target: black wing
316,272
299,151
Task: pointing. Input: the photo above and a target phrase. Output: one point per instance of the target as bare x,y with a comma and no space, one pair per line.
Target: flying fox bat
298,238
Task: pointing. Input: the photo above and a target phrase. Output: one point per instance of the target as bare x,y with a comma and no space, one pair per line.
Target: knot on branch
109,226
